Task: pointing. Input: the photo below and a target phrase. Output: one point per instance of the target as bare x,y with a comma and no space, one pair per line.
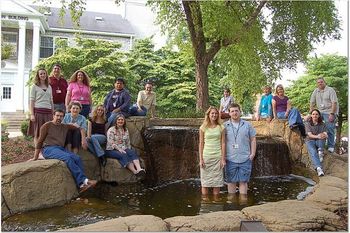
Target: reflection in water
166,200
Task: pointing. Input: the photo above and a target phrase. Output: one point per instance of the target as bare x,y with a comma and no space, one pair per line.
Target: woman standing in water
212,153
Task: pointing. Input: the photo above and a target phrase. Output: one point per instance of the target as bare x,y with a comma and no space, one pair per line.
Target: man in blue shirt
117,102
240,150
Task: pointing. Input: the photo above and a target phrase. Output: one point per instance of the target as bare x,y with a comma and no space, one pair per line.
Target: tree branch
217,45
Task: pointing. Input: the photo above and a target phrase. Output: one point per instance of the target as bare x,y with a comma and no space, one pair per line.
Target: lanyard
235,135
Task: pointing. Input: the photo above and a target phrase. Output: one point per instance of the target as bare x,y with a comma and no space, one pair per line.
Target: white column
21,62
36,43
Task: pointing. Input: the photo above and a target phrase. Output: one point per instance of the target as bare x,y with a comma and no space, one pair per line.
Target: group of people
226,150
60,122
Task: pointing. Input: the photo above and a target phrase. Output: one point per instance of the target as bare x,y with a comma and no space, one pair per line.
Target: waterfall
172,154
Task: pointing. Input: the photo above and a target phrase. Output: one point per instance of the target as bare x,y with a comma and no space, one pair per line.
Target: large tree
334,69
254,39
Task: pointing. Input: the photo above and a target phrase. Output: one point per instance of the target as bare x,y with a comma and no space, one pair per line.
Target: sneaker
320,155
319,171
331,149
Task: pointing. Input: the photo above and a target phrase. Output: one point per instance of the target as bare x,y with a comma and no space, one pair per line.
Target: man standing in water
240,151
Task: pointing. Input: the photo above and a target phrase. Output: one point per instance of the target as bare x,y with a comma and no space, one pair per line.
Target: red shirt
59,89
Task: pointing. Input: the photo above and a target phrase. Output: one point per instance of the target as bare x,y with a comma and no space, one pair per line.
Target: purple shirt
281,104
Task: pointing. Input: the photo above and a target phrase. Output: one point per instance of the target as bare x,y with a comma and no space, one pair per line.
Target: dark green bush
24,127
4,133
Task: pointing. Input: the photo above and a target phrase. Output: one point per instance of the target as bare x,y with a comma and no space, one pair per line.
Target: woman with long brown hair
79,91
41,103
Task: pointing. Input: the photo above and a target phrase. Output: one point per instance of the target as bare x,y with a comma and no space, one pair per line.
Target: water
166,200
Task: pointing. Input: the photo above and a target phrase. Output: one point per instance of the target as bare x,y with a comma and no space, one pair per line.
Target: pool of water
166,200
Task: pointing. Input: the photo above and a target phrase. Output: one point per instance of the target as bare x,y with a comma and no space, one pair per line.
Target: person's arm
83,130
153,107
223,148
32,103
126,102
90,100
274,108
139,101
68,96
39,143
128,145
89,129
201,148
312,100
289,106
51,101
252,148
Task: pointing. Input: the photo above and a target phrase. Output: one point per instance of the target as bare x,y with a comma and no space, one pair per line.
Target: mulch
16,150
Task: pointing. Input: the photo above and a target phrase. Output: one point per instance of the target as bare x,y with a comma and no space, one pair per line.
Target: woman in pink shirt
79,91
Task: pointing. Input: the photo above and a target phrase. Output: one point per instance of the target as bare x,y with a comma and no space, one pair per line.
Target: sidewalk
13,134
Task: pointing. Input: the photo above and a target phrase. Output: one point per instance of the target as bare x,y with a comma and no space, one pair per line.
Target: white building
32,35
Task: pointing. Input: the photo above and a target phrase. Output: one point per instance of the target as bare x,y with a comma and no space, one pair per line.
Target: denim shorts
238,172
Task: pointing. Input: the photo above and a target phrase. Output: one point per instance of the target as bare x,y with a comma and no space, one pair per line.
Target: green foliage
24,127
184,113
4,132
6,50
334,69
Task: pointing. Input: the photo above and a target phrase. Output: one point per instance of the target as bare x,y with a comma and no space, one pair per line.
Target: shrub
24,127
4,133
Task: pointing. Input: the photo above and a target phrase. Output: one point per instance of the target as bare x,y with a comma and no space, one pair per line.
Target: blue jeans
134,111
85,110
124,159
294,118
312,147
72,161
330,130
95,142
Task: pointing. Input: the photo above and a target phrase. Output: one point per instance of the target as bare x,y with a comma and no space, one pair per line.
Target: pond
166,200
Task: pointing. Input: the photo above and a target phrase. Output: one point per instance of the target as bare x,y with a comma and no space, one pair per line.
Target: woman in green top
212,150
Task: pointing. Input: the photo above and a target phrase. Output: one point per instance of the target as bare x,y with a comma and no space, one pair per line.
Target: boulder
216,221
35,185
331,192
114,172
293,215
135,223
336,165
91,164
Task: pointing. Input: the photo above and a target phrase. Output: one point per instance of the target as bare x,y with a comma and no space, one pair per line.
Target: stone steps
13,119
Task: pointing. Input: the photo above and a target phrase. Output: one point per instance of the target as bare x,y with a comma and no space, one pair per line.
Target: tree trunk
338,134
202,86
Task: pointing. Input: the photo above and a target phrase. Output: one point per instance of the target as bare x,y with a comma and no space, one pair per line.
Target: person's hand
139,109
331,117
84,144
122,151
251,157
286,115
257,118
268,119
201,163
32,118
116,110
32,159
76,125
223,163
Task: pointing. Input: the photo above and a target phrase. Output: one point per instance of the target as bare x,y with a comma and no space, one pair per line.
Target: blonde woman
212,153
79,91
96,134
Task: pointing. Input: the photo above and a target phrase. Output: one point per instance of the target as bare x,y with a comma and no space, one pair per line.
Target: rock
331,192
336,165
292,215
91,164
216,221
114,172
135,223
35,185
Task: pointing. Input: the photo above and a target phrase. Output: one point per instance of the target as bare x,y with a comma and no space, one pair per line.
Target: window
6,92
46,46
10,38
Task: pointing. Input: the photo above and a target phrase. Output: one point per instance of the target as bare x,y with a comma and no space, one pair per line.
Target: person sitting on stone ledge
96,134
146,101
265,106
316,138
51,144
118,147
282,109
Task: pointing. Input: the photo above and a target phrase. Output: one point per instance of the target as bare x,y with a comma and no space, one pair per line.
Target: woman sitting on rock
96,134
75,138
118,147
316,136
282,109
